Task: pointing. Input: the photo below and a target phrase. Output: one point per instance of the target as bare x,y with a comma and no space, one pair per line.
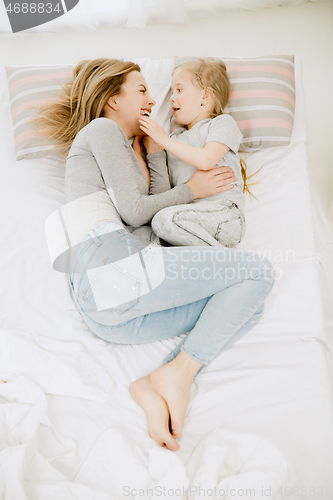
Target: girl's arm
200,158
116,161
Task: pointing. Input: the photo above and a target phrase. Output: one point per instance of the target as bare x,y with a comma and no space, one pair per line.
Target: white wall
305,30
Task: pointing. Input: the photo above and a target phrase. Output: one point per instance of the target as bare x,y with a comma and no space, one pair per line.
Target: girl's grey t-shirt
104,182
222,128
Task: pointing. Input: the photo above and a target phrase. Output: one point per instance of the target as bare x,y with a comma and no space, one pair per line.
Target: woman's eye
142,91
178,90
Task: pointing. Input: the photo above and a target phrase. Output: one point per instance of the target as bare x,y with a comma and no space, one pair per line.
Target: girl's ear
112,103
208,95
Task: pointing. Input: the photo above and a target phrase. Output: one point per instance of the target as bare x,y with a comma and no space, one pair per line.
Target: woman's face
132,102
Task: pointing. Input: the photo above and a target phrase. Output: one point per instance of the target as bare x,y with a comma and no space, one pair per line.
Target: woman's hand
150,145
153,129
205,183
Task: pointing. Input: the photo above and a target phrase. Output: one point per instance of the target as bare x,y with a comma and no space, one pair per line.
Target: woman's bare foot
157,412
173,382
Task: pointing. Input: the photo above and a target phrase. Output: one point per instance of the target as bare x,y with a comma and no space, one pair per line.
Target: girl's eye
142,91
178,90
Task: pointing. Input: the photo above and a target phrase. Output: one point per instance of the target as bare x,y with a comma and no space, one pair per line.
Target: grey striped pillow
262,101
262,98
29,88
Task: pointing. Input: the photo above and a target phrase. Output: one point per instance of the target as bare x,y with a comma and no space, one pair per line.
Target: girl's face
132,102
189,103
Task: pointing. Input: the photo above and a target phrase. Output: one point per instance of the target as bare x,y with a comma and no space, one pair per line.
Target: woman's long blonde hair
82,100
211,74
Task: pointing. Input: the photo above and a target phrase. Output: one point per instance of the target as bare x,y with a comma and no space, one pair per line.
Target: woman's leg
211,291
118,279
232,339
164,388
221,288
234,311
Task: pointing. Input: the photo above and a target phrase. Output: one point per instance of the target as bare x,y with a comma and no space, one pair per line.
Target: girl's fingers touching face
146,120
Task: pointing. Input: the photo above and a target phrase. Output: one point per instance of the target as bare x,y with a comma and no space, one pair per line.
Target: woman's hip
120,279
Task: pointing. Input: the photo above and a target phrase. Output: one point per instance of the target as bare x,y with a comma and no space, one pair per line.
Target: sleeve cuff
188,193
156,156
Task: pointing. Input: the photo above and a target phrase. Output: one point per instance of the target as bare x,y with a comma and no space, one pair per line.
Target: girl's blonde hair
211,74
82,100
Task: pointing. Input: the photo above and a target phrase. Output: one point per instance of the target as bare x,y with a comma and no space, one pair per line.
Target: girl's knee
161,222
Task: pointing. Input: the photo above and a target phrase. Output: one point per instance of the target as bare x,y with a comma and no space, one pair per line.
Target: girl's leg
182,225
213,223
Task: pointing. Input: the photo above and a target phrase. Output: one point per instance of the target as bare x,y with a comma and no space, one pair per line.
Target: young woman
127,291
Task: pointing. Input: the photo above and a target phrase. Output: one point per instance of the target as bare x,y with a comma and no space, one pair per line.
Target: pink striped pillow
262,98
29,88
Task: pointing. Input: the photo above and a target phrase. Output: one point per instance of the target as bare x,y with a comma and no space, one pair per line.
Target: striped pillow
29,88
262,98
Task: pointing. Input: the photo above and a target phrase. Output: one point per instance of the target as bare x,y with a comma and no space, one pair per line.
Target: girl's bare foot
173,382
157,412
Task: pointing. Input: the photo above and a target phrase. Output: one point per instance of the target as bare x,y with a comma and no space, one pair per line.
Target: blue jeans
129,293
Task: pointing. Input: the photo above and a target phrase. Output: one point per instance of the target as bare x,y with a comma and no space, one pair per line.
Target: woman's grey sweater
104,182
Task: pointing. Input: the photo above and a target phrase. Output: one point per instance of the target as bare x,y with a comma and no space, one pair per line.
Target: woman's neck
113,116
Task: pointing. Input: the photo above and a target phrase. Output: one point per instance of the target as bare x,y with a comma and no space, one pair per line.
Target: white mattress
260,416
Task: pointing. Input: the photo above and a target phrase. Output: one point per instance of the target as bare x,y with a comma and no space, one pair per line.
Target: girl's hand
150,145
205,183
153,129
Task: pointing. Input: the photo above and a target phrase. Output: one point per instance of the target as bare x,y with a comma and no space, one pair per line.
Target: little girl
207,139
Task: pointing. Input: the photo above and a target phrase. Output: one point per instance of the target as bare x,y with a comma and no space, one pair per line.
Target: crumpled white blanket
117,466
224,464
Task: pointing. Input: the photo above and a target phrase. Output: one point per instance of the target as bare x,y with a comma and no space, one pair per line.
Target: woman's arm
122,175
200,158
123,180
159,175
157,163
154,166
137,148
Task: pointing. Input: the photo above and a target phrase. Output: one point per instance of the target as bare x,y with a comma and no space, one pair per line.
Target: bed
260,420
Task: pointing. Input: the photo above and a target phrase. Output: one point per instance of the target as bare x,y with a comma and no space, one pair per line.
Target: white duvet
259,424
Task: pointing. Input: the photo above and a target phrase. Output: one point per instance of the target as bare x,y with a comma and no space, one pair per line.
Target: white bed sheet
260,416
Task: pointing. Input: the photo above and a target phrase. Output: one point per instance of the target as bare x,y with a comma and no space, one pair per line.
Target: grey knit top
104,181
